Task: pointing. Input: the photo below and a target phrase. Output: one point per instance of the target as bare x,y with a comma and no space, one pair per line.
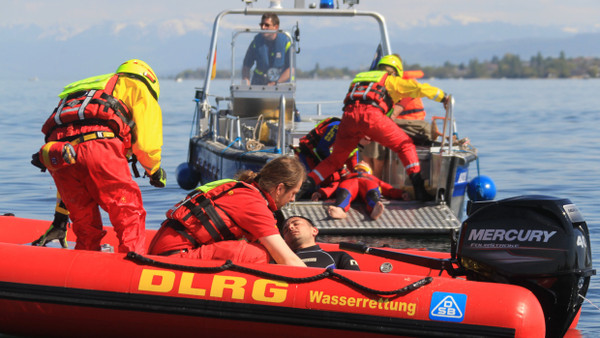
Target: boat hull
42,289
214,161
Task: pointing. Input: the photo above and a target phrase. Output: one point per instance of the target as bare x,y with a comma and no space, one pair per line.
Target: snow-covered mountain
29,51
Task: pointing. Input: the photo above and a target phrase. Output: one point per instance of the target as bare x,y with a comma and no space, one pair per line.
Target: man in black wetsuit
299,233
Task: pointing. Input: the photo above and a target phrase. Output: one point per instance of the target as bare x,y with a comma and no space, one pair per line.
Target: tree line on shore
509,66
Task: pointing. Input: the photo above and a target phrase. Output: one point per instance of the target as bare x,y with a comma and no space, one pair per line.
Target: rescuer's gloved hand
35,160
446,100
57,230
159,178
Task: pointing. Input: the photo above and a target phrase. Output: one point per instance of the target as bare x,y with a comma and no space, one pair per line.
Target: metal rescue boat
521,268
252,124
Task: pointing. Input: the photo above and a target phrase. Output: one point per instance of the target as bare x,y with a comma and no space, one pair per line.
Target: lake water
533,137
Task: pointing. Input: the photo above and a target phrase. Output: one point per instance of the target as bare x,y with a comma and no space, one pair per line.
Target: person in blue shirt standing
270,53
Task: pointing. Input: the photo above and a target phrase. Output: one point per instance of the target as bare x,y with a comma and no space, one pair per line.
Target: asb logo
449,307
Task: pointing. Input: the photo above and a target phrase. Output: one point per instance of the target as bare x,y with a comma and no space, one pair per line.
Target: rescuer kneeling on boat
233,219
370,96
99,123
300,233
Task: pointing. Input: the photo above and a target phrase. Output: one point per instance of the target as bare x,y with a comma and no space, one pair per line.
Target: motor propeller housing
538,242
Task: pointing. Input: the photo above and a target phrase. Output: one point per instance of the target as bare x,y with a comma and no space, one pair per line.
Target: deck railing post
214,125
238,131
281,129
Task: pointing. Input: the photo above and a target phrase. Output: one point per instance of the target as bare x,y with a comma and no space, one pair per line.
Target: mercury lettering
163,281
319,297
511,235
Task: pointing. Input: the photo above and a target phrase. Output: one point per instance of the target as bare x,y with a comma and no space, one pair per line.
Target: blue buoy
326,4
481,188
186,177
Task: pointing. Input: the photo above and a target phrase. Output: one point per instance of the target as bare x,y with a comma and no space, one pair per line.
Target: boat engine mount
538,242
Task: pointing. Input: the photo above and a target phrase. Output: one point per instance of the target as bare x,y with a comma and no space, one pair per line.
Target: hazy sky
68,17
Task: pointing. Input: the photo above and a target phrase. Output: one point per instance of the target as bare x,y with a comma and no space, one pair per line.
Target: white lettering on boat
511,235
581,241
319,297
230,287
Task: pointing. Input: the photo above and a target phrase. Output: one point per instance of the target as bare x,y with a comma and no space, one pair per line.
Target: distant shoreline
510,66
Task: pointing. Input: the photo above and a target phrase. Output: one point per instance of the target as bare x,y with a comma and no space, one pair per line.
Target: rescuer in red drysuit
360,183
408,108
369,98
234,220
106,119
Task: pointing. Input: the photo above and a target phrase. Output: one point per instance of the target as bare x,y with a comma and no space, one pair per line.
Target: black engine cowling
538,242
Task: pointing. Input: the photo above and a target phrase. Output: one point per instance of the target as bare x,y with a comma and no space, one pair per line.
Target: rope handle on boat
328,273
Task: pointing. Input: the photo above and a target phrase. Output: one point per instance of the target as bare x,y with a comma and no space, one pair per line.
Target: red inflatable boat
494,285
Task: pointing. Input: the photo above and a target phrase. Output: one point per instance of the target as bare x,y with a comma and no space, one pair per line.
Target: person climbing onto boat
100,122
360,183
270,53
407,108
300,234
233,219
369,98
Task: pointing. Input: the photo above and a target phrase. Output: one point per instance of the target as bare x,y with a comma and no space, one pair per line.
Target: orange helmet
141,70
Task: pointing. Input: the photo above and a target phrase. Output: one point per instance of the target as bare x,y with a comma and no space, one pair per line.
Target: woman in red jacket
233,219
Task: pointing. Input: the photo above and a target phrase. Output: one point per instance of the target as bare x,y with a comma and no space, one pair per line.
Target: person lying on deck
359,183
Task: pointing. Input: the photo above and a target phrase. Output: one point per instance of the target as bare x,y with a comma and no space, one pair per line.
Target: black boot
306,190
419,186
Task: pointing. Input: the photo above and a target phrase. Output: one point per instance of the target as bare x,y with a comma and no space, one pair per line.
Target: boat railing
233,130
290,12
318,105
213,125
281,139
449,127
232,133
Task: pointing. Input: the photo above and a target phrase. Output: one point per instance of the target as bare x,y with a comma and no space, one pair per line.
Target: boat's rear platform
399,217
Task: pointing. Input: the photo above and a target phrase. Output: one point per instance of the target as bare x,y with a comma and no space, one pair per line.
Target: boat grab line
328,273
589,301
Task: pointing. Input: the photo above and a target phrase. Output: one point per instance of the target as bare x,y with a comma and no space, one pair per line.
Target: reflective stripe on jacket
369,88
144,138
92,106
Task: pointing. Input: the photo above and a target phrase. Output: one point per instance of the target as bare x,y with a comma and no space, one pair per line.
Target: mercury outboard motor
538,242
